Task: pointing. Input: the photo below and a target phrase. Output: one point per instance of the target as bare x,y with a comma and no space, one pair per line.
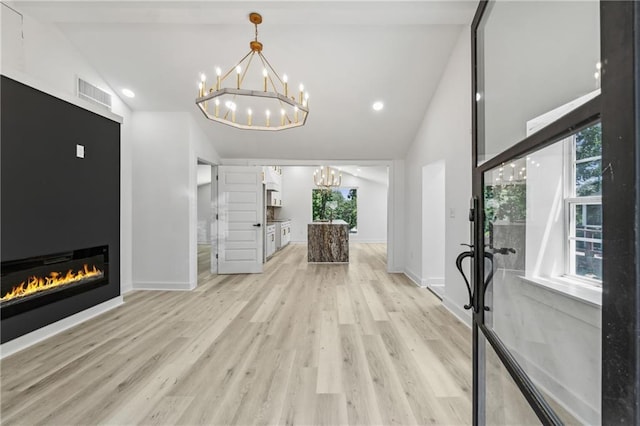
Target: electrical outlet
80,151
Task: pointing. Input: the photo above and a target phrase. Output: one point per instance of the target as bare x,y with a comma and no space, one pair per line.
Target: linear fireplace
36,281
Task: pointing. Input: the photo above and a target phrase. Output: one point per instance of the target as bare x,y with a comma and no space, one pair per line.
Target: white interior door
240,216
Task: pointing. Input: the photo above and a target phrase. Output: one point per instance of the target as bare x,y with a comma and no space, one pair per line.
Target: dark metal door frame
618,109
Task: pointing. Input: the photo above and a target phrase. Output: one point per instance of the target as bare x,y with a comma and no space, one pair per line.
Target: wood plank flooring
300,344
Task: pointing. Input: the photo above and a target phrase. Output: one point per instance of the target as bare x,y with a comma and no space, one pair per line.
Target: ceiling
348,54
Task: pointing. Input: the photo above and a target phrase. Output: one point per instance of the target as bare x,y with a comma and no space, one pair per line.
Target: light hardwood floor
299,344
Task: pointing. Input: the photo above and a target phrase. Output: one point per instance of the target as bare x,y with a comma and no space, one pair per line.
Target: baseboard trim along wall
171,286
22,342
414,278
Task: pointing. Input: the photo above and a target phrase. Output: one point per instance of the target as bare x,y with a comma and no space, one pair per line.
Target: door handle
257,225
471,291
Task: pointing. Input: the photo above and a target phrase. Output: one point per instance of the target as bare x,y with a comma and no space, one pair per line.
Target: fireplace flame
55,279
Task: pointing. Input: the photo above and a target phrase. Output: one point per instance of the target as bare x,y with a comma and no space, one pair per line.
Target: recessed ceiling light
378,105
128,93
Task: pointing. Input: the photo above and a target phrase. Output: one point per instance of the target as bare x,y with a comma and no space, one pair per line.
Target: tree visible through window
585,204
341,203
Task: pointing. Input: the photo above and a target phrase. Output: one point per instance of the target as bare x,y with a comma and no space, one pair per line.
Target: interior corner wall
445,135
42,54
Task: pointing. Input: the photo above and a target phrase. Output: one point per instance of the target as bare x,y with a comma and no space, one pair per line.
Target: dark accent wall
52,201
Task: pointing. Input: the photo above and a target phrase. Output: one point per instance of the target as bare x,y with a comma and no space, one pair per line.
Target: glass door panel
543,236
505,404
532,57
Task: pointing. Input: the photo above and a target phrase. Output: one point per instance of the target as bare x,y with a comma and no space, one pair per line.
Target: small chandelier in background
327,178
268,106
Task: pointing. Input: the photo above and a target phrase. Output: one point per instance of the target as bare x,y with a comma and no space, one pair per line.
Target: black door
554,214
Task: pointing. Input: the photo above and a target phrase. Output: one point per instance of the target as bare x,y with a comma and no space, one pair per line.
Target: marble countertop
335,222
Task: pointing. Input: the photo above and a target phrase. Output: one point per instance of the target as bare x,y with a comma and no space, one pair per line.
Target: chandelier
267,106
327,178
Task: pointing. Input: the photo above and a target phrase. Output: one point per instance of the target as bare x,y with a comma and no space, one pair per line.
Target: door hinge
216,216
216,177
216,255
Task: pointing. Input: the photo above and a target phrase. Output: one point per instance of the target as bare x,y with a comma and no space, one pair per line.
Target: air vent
91,93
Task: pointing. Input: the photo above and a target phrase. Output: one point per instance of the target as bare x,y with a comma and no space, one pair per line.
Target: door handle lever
257,225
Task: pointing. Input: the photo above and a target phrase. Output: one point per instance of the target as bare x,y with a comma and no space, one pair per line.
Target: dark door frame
618,109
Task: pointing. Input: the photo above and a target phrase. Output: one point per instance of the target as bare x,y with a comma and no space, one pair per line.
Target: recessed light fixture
128,93
378,105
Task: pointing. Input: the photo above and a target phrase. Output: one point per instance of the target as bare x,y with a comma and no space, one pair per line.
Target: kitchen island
328,242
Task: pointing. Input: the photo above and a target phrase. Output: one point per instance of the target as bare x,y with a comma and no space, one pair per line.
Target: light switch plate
80,151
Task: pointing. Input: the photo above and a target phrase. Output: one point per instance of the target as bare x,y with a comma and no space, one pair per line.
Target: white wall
433,226
445,135
297,184
39,55
167,147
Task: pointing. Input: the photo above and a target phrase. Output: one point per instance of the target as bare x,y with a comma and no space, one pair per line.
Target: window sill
569,288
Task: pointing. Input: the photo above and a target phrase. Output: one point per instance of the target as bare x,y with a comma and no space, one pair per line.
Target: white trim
43,87
438,289
572,289
29,339
413,277
462,315
164,286
366,240
434,281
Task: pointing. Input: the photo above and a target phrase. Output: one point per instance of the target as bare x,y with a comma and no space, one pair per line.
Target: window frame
570,200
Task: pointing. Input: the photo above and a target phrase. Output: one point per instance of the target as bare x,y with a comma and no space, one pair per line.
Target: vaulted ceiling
348,54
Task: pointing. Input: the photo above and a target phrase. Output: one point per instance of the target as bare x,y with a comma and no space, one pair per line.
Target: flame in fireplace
55,279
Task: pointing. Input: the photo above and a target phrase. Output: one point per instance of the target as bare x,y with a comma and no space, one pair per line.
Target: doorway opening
207,235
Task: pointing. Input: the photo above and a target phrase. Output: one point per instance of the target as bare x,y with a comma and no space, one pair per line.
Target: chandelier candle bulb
285,79
249,116
295,115
238,70
218,74
301,92
268,113
265,74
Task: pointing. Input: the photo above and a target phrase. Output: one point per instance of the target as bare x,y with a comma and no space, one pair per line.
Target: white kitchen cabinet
285,233
272,178
274,199
270,243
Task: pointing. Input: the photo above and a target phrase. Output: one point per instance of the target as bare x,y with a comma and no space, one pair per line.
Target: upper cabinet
273,178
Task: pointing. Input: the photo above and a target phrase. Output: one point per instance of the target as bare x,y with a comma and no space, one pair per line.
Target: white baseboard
458,311
435,281
170,286
22,342
413,277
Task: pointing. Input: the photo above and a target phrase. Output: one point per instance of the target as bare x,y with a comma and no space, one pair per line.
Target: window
583,204
336,204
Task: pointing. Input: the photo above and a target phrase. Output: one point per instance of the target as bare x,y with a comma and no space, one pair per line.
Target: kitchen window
336,204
